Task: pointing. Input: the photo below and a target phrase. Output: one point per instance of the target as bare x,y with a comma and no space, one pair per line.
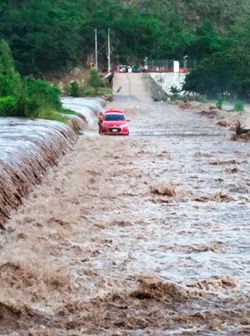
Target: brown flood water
139,235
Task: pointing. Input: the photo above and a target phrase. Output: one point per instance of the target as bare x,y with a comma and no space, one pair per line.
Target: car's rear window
115,117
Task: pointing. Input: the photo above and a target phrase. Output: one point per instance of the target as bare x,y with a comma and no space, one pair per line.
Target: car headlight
124,126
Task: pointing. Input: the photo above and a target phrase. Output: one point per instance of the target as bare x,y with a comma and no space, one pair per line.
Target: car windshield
114,117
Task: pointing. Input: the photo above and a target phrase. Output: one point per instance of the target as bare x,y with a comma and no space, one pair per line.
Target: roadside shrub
95,80
38,94
88,91
220,102
238,106
8,106
74,89
174,90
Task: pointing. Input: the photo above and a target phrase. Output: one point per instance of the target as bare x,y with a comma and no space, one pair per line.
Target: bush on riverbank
95,86
25,97
95,81
40,94
238,106
8,106
77,90
226,70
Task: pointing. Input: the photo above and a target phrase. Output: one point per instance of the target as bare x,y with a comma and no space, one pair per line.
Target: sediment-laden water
87,108
141,235
27,149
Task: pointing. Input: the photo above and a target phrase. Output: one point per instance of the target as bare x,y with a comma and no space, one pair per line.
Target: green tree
74,89
43,35
11,86
10,80
47,36
95,80
40,95
206,41
24,98
225,71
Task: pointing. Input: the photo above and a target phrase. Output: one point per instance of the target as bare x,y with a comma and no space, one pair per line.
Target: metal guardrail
160,66
185,66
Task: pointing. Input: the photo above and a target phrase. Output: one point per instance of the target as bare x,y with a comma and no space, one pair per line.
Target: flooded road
139,235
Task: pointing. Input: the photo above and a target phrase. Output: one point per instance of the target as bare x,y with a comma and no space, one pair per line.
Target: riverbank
225,117
162,85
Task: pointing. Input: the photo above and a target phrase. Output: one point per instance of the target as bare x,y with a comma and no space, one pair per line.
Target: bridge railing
183,66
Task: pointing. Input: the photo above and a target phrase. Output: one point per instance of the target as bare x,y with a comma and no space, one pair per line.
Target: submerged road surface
139,235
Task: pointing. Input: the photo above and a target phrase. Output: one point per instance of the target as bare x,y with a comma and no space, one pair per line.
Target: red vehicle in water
114,122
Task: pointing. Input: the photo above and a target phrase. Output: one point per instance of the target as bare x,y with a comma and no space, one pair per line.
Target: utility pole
96,50
109,52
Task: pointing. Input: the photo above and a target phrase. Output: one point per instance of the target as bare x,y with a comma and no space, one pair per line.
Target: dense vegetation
95,86
26,97
45,36
36,98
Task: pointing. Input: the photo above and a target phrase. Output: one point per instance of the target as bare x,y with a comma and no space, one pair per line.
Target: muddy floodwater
27,149
140,235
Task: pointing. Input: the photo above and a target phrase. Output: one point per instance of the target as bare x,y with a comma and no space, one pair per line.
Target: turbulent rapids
27,149
86,110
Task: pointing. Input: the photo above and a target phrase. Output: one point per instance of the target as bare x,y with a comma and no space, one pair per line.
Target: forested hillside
46,36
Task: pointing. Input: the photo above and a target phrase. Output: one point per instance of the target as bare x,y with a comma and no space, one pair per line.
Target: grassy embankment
94,86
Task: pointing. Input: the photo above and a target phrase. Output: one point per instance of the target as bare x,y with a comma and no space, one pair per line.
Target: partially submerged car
114,122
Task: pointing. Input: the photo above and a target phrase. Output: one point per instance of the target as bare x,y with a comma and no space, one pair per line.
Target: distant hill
53,36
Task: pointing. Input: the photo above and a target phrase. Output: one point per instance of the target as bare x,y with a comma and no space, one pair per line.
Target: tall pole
96,50
109,53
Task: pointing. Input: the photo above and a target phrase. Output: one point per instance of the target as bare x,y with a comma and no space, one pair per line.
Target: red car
114,123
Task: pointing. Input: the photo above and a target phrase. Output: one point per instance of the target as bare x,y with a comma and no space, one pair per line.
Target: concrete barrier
167,80
158,94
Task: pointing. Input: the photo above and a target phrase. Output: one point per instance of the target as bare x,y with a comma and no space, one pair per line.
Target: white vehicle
123,68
